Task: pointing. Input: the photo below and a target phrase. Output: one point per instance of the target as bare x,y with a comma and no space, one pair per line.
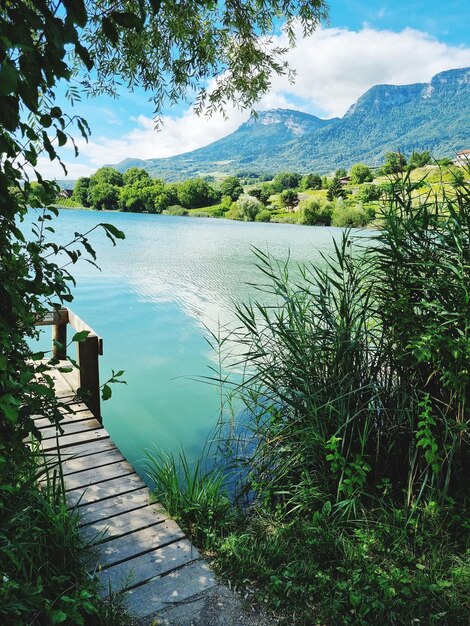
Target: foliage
103,196
341,173
369,193
247,207
286,180
419,159
335,190
263,216
311,181
231,187
394,163
80,191
360,173
176,210
195,193
289,199
135,174
314,212
195,497
350,215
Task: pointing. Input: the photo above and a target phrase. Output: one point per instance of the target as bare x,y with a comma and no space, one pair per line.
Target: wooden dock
134,546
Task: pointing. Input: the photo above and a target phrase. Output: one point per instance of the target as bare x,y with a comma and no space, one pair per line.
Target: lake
152,302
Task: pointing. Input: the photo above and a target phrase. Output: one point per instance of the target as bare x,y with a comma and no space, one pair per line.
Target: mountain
431,116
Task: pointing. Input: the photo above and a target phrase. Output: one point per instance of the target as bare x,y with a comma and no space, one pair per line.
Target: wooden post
88,352
59,333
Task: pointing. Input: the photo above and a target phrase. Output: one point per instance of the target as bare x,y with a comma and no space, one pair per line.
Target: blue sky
363,43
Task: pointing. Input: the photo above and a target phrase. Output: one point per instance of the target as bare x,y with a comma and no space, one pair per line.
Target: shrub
346,215
289,199
247,207
313,212
360,173
263,216
175,209
370,193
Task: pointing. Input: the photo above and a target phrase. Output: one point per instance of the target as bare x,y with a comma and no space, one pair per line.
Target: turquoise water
152,302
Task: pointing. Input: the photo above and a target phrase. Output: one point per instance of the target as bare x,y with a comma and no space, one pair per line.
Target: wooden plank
88,436
104,491
97,475
146,566
95,511
70,428
88,449
83,463
44,422
178,586
138,542
124,523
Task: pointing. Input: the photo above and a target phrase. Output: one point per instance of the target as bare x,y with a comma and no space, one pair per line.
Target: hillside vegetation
342,199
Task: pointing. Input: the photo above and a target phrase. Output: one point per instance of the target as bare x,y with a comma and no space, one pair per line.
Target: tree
370,193
289,199
314,212
394,163
248,207
80,191
419,159
104,196
134,174
195,193
286,180
108,175
341,173
311,181
360,173
335,190
231,186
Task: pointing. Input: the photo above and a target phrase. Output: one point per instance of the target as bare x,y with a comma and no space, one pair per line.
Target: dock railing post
59,335
89,374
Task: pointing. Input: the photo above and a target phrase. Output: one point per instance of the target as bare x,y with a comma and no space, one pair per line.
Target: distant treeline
250,196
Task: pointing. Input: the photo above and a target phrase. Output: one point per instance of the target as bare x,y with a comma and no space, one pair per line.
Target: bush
247,208
175,209
360,173
313,212
370,193
235,213
263,216
345,215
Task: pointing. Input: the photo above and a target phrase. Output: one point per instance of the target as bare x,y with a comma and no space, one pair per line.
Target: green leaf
58,617
62,137
112,230
77,11
110,30
106,392
81,336
127,19
8,79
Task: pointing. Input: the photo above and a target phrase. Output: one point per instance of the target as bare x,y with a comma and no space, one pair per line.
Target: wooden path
134,546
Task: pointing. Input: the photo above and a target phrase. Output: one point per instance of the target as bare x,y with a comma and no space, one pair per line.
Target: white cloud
334,68
336,65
